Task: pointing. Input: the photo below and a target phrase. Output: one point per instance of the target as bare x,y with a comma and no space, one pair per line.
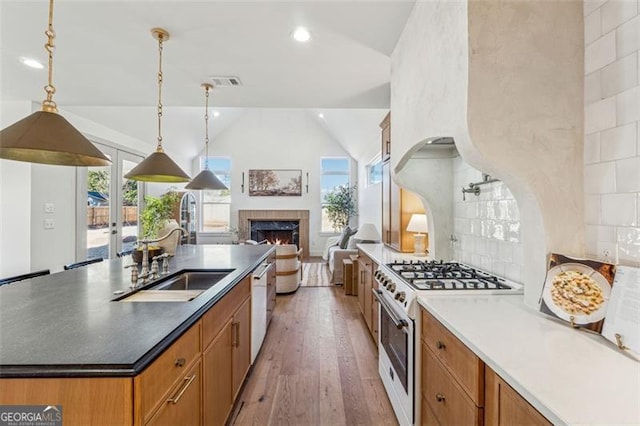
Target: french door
108,223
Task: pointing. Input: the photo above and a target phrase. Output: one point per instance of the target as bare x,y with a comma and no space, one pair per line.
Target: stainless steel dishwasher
259,308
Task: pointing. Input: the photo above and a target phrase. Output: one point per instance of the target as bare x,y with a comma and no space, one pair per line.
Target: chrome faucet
145,247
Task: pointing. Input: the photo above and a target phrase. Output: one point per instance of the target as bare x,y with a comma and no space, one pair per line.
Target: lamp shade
418,223
367,232
158,167
206,179
48,138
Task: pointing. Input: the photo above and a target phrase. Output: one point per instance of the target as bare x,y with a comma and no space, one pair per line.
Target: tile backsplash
487,226
612,130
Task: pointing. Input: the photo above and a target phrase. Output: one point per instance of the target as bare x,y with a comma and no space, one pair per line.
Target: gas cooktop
440,275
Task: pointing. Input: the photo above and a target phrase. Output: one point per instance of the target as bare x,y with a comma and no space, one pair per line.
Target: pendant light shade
206,179
48,138
158,167
45,136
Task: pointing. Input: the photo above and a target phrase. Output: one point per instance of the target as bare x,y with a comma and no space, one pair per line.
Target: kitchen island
63,335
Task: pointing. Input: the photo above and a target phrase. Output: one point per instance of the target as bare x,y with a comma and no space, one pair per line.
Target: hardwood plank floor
318,366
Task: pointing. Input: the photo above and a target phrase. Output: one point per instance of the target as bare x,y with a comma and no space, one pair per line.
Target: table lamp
367,234
418,224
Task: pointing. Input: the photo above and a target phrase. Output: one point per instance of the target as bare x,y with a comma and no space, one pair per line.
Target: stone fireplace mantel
246,216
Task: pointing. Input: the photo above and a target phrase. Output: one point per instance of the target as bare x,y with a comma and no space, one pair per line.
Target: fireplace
246,218
276,231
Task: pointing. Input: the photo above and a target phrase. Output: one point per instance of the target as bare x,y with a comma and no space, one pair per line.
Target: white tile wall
487,226
612,130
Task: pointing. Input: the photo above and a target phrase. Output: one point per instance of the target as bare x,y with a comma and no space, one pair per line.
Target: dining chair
16,278
83,263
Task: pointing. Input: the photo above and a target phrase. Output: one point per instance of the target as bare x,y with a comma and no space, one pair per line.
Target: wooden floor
318,366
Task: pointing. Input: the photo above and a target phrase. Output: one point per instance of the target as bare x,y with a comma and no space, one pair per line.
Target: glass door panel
111,207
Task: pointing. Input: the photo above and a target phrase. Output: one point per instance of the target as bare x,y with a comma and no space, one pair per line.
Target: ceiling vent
225,81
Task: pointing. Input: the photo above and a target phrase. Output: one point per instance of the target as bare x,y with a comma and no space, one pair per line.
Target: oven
396,356
399,328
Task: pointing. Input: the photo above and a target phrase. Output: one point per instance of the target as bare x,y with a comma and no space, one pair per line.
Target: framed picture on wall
275,183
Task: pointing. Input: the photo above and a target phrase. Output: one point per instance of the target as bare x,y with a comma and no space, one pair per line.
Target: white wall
278,139
369,199
504,80
612,130
15,202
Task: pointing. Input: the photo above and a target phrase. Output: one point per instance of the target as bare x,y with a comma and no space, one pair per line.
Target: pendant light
206,179
45,136
158,167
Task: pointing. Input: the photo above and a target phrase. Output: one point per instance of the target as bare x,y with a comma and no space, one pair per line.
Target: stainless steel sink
191,280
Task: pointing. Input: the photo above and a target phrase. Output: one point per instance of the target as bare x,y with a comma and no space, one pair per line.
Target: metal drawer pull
180,362
187,381
234,334
440,397
238,334
440,345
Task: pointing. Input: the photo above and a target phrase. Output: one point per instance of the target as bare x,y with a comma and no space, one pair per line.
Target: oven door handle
399,322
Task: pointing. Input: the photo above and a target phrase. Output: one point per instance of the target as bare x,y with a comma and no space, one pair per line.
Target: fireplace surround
247,217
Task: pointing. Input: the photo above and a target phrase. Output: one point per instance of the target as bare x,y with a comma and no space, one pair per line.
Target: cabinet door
361,290
386,203
271,288
217,396
184,403
395,207
385,149
505,406
241,357
368,299
374,308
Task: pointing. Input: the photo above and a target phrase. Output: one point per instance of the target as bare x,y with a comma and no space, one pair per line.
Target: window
216,204
374,171
334,172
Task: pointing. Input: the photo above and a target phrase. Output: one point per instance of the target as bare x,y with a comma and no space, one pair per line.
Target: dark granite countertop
66,324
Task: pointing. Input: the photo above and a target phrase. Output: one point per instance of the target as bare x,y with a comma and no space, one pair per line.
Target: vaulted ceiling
106,60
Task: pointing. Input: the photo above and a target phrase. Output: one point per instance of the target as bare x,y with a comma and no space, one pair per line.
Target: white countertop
572,377
383,254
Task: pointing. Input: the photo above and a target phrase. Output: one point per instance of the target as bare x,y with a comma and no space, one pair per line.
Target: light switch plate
49,208
49,224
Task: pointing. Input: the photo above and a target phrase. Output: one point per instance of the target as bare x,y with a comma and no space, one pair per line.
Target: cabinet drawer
219,314
449,403
461,362
183,405
427,418
154,383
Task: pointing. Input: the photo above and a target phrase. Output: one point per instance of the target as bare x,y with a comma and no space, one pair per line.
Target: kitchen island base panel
84,401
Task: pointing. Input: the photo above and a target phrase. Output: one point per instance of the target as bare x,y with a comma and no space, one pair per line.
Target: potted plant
155,216
340,205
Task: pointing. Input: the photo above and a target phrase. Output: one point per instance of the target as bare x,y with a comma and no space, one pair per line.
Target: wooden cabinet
398,204
155,385
85,401
241,345
385,126
366,301
227,356
184,405
506,407
271,288
452,378
217,374
458,388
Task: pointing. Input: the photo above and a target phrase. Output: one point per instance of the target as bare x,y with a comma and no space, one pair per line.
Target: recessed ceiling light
301,35
216,114
321,115
32,63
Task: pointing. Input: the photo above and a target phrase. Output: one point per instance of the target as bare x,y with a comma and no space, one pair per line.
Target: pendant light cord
48,104
206,128
159,148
